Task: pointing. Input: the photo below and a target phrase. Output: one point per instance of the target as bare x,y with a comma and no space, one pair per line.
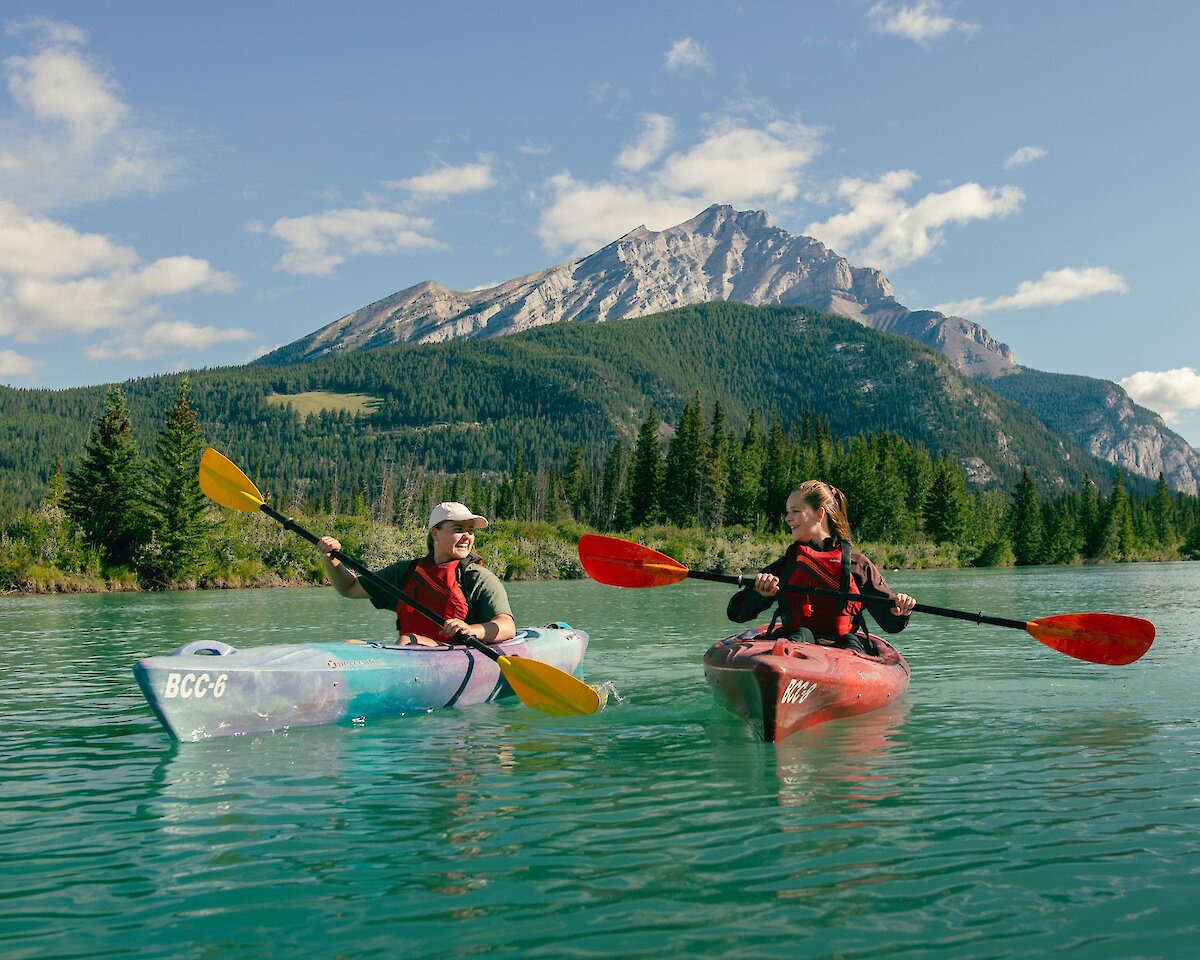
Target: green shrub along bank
248,550
707,496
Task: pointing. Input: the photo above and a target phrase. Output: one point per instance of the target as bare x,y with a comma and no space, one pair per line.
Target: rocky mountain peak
719,254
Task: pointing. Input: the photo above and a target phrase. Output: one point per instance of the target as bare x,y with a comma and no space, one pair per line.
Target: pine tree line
144,521
140,520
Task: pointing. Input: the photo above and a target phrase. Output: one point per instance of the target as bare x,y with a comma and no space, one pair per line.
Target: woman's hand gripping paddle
1107,638
537,684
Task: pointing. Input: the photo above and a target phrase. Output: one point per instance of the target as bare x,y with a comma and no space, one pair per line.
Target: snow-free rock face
721,254
726,254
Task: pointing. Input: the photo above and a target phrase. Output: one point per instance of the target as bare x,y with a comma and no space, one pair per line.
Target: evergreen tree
1026,523
1191,543
1116,527
1090,527
776,474
615,506
683,469
56,487
646,474
715,473
104,494
744,503
947,503
1063,537
177,509
573,489
1163,513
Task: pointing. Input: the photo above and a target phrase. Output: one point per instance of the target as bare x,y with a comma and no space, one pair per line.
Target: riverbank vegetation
708,496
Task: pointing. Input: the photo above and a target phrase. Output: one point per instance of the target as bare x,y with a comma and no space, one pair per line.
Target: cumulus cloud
585,216
1167,392
650,144
164,337
68,135
448,181
735,163
54,279
922,22
319,242
743,164
885,231
37,247
686,55
1054,287
14,366
58,85
1023,156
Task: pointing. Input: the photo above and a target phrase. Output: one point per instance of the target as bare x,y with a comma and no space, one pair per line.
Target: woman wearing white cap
449,580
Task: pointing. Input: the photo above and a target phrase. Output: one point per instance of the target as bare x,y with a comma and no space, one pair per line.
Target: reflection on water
844,763
1014,803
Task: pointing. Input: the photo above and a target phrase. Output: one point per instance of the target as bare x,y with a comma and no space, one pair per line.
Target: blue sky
185,186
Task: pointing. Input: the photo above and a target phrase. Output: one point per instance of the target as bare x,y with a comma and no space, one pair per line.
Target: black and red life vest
437,586
827,617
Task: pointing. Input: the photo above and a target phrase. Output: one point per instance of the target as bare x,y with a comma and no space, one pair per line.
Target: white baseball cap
452,510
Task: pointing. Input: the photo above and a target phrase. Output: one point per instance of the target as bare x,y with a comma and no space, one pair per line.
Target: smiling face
452,540
808,524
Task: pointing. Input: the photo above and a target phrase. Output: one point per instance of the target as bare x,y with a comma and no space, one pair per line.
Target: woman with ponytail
821,556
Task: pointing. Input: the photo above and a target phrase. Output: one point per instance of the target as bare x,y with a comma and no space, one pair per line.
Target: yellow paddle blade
222,482
548,689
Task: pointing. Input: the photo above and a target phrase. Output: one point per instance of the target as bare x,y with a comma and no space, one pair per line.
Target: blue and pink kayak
209,689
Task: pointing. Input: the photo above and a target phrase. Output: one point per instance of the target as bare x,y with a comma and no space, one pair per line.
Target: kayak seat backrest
205,648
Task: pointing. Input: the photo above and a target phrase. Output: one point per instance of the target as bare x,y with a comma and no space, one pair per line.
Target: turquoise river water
1015,804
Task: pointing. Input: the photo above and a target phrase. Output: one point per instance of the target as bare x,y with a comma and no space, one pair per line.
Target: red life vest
827,617
436,586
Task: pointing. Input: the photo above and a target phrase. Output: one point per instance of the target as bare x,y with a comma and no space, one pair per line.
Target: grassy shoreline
251,553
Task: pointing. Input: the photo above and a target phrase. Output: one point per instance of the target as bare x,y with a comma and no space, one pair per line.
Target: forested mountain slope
476,404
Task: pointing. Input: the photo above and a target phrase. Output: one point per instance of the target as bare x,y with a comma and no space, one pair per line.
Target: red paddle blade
621,563
1097,637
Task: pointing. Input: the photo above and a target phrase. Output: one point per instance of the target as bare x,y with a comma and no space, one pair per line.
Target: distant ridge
723,254
720,254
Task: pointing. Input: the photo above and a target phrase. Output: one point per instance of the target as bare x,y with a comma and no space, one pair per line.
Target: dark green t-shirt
486,596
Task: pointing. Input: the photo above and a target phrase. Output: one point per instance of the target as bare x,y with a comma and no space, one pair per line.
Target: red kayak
781,686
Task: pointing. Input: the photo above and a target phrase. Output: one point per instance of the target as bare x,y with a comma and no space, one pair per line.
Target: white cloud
68,136
31,307
165,337
687,54
1054,287
319,242
883,230
54,279
922,22
449,181
14,366
586,216
650,144
32,246
739,164
58,85
1167,392
50,31
1023,156
735,163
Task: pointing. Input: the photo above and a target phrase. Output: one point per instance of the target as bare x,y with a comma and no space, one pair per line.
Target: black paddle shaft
742,581
377,581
